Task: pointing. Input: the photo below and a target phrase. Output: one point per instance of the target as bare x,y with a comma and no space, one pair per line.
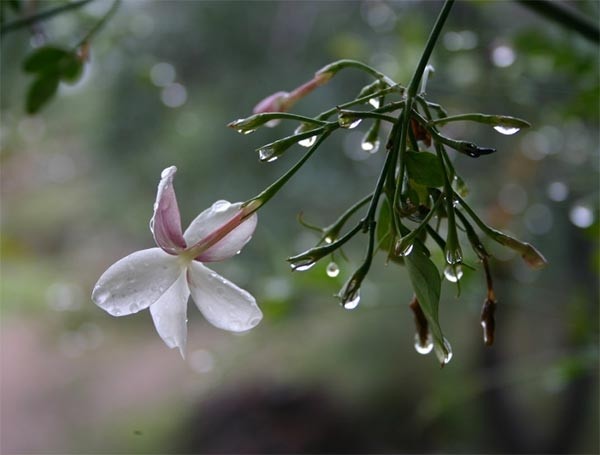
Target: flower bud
528,252
348,120
474,151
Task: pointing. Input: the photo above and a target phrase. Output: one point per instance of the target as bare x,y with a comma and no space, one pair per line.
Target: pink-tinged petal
222,221
166,222
169,314
272,103
222,303
136,281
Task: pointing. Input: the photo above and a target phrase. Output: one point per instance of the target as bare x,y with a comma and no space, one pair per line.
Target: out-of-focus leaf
424,168
71,68
52,59
427,283
45,59
15,5
40,92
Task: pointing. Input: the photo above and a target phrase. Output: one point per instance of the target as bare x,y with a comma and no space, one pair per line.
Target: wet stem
411,95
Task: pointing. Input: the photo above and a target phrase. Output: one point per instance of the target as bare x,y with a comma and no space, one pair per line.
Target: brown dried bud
420,132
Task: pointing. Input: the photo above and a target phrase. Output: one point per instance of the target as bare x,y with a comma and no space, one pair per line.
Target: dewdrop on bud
348,121
443,353
425,346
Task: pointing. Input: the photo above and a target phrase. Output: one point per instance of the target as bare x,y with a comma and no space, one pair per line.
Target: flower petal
215,218
169,314
136,281
222,303
166,221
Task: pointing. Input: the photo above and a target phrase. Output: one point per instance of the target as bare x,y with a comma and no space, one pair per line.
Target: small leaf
40,92
45,59
71,68
427,283
424,168
384,226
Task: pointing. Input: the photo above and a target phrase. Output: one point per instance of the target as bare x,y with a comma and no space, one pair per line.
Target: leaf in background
40,92
424,168
45,59
52,59
427,283
71,68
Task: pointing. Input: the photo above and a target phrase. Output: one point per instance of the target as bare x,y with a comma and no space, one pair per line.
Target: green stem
407,240
364,99
263,197
100,23
368,114
27,21
429,46
333,230
341,64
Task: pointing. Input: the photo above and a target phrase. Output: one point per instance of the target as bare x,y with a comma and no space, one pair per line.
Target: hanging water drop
453,273
353,303
444,354
333,270
374,102
423,348
308,142
348,121
404,251
370,146
267,154
302,267
245,131
328,239
507,130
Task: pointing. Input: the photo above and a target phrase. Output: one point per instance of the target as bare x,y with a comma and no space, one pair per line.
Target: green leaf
52,59
40,92
427,284
71,68
384,226
424,168
45,59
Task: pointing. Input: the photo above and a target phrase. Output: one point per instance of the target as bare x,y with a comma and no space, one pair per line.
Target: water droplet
423,348
302,267
101,296
444,357
353,303
454,257
245,131
333,270
267,154
507,130
116,312
370,146
348,121
374,102
308,142
453,273
220,206
403,252
328,239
